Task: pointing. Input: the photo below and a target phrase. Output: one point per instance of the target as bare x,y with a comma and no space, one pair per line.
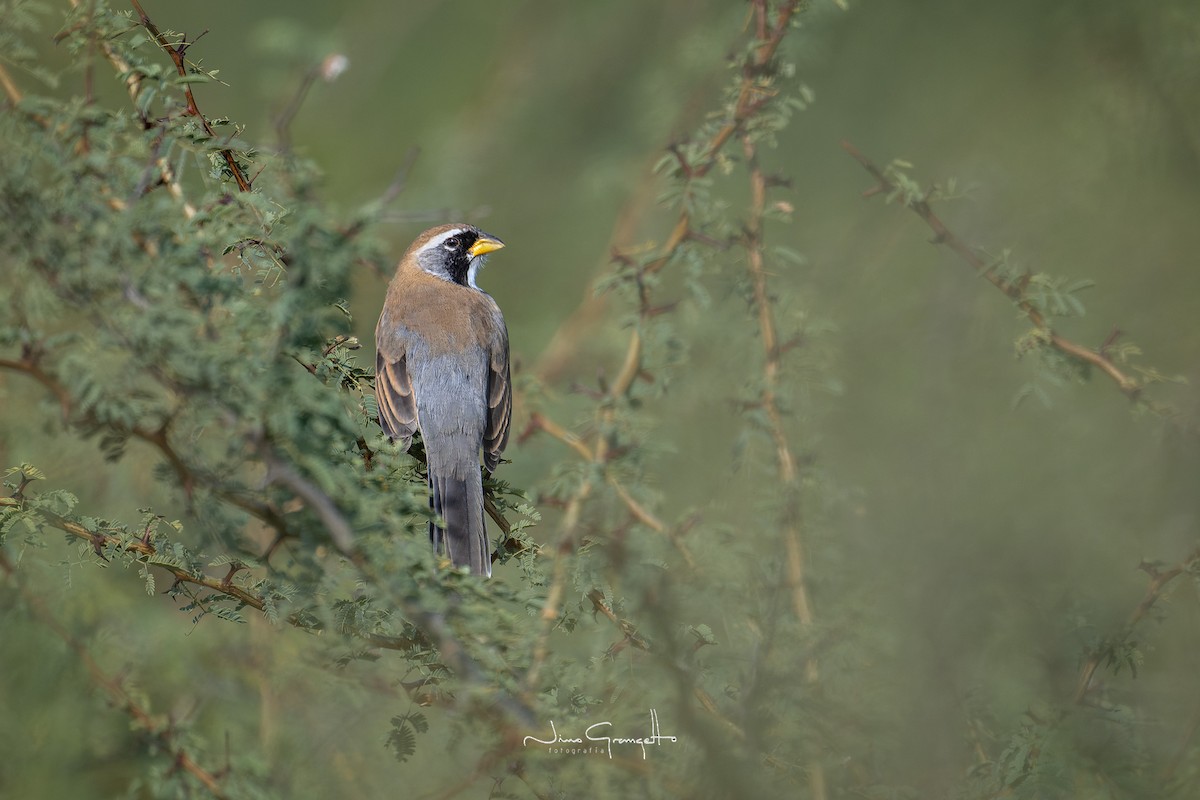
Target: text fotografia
597,741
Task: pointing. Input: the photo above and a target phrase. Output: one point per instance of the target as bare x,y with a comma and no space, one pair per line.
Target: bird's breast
439,320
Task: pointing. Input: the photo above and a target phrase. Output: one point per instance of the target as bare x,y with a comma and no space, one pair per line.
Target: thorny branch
750,97
540,422
750,101
432,624
788,474
133,85
1014,289
177,54
1159,580
146,552
769,402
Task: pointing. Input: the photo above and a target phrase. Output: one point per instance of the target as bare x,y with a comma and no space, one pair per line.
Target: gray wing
499,400
394,393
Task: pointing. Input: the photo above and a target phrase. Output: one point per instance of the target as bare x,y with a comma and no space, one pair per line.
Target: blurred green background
976,537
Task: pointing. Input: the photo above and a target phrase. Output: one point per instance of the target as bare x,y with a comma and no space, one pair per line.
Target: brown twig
785,460
10,88
28,364
558,581
643,515
540,422
627,628
749,100
177,53
1015,290
1159,579
112,687
768,401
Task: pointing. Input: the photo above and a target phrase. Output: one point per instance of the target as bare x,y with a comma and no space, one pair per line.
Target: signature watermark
597,741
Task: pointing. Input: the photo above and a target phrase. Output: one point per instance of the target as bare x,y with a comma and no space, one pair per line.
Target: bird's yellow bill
484,246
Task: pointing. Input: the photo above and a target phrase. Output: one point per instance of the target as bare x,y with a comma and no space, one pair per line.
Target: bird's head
453,252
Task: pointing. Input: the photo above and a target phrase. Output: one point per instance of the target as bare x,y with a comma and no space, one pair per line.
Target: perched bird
442,368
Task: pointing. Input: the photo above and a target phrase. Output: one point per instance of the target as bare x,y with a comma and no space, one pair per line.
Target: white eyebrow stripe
441,238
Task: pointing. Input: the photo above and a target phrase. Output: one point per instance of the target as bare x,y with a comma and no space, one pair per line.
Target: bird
442,368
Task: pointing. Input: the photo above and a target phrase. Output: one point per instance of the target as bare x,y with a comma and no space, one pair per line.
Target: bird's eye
452,243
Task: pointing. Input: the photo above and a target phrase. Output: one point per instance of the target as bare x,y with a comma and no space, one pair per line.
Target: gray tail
460,504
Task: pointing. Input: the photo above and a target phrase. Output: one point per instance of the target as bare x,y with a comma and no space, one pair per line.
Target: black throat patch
458,261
